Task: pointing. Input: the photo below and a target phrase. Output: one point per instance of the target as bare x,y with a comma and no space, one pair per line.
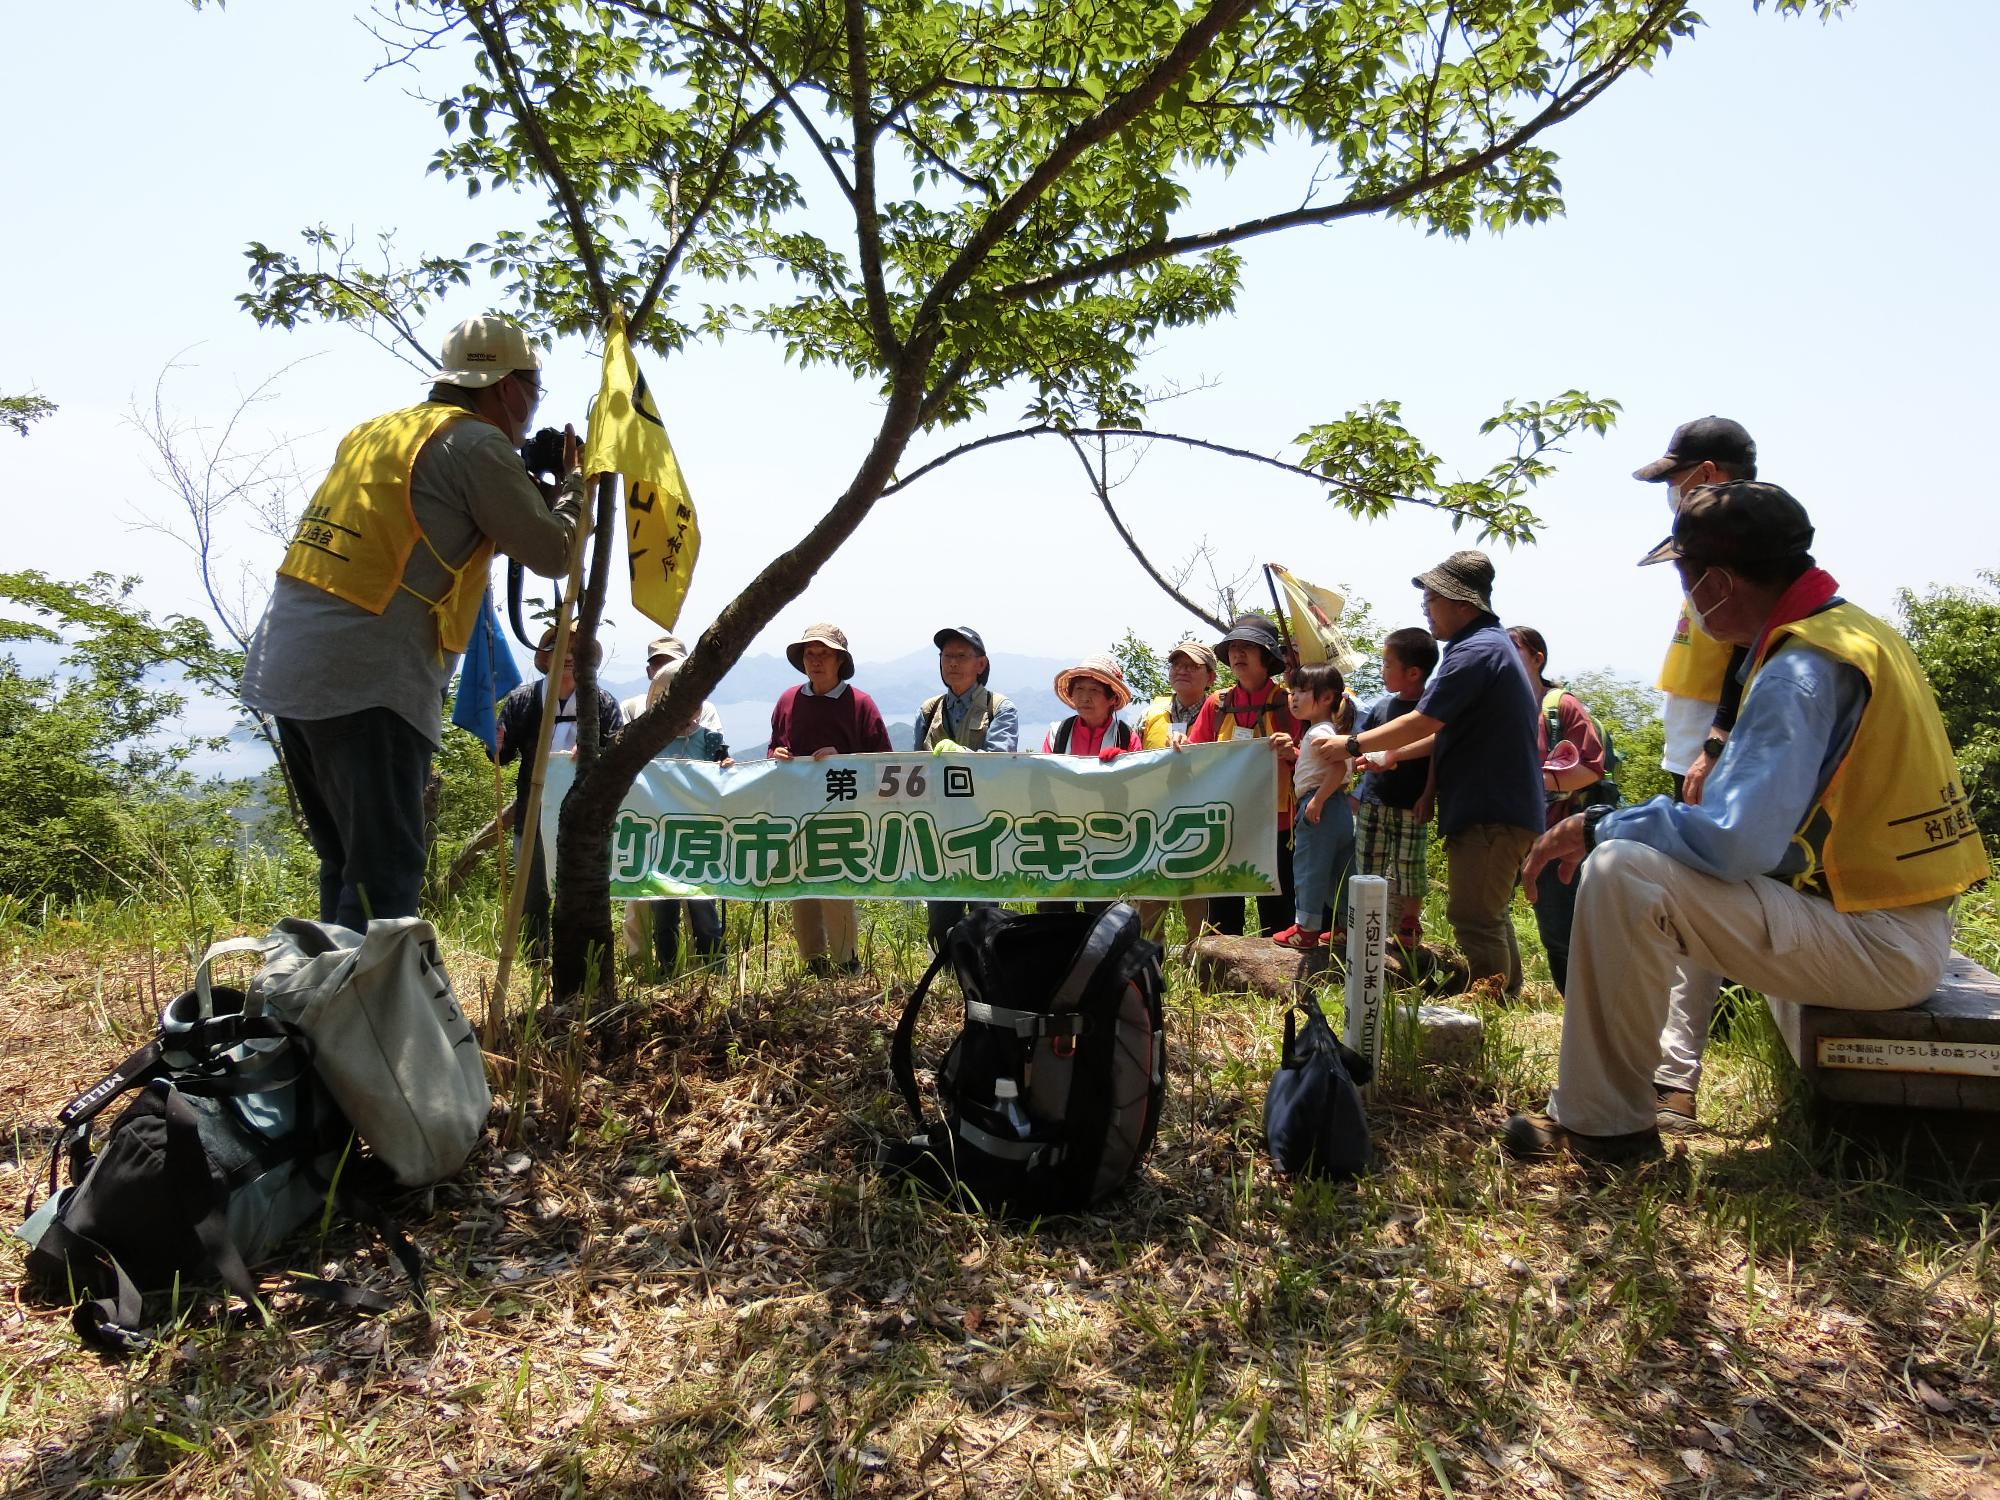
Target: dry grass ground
691,1286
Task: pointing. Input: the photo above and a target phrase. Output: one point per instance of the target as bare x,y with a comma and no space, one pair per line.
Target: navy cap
1728,525
959,633
971,638
1705,439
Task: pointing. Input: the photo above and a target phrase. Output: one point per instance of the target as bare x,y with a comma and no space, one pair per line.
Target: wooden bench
1943,1054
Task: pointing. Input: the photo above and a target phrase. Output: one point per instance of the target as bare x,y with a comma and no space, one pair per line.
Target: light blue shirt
1788,741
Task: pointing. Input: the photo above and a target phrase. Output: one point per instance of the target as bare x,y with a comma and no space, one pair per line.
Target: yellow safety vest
1892,827
1696,663
1159,723
356,537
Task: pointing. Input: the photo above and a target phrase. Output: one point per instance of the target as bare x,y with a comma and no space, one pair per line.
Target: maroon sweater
848,721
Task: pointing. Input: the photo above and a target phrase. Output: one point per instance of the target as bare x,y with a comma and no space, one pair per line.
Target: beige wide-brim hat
1104,670
827,635
484,351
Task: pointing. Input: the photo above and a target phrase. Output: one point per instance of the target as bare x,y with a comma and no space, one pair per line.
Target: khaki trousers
1153,916
1483,863
824,929
1647,926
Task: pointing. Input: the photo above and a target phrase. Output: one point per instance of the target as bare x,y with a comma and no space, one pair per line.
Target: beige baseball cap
484,351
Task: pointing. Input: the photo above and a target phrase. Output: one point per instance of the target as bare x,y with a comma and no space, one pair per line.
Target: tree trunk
581,917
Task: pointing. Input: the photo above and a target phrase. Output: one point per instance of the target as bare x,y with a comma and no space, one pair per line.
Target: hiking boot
1675,1108
1296,937
820,966
1538,1138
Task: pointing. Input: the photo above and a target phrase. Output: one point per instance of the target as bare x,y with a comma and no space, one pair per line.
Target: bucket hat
827,635
1256,631
1466,576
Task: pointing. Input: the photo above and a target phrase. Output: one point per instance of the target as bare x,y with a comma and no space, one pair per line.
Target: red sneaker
1298,938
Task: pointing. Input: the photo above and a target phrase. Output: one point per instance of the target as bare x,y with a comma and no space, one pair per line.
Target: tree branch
867,214
493,37
1148,434
725,161
1100,127
719,29
1559,108
1102,488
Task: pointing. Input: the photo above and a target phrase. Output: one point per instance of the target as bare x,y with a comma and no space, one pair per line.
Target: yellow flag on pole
627,438
1314,613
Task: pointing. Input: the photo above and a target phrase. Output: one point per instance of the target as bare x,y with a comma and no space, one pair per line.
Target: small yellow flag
627,438
1313,613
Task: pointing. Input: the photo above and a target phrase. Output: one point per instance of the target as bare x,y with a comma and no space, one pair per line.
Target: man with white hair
378,594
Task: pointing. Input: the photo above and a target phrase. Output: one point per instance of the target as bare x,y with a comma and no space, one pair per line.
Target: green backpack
1604,792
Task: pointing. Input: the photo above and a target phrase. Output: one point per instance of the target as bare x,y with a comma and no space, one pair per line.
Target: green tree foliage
22,412
1956,636
964,203
1145,669
1631,711
97,799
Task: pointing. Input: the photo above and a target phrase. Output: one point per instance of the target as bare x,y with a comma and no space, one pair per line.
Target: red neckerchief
1808,592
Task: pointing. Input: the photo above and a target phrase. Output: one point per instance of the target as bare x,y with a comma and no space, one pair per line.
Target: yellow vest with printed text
1695,664
356,537
1892,827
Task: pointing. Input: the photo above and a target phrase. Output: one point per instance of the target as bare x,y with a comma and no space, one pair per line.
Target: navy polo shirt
1489,769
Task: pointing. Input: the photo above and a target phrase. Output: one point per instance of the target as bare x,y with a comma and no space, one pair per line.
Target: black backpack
1313,1121
1052,1092
230,1144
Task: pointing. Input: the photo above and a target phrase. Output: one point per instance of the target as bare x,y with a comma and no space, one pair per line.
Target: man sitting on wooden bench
1821,863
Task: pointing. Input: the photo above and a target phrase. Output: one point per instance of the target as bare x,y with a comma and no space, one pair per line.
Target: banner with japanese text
1167,824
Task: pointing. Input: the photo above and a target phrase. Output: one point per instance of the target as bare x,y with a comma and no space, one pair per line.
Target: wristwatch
1353,747
1592,816
1712,747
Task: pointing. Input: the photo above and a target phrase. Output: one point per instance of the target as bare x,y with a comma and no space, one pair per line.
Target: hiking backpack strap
1110,934
1552,714
902,1060
1063,732
204,987
110,1322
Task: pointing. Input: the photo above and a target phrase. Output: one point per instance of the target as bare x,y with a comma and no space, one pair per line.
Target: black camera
542,454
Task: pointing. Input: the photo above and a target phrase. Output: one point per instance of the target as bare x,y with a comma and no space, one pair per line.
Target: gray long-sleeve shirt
315,656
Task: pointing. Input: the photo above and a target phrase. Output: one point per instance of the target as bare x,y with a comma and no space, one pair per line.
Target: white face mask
1696,614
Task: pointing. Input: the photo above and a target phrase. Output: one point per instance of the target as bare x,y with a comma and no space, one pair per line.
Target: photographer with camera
378,594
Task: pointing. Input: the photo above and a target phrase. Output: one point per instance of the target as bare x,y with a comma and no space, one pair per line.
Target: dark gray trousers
360,779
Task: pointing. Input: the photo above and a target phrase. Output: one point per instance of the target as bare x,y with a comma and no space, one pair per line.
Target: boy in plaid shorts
1393,824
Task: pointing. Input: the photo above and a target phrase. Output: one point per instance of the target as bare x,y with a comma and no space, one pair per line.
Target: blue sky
1789,223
